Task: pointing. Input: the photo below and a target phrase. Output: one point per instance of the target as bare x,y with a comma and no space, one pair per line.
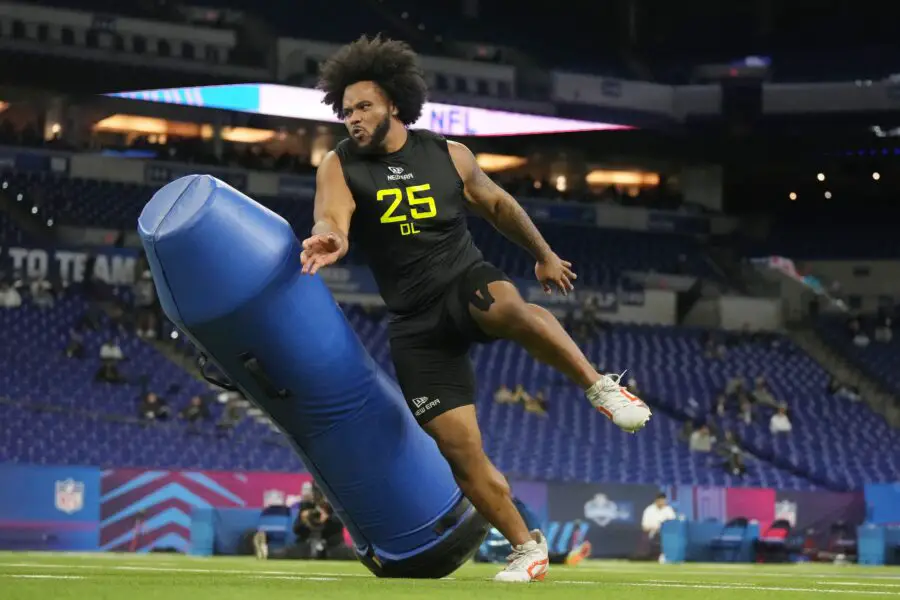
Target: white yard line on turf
710,586
43,576
174,570
296,578
743,572
860,583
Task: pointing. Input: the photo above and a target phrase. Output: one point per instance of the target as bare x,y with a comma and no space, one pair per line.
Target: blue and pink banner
85,508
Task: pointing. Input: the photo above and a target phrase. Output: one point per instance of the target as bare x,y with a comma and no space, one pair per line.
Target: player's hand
554,271
320,251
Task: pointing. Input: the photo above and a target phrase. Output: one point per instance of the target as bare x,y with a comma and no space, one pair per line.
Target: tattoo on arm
509,217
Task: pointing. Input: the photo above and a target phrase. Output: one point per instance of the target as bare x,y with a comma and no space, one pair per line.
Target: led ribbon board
306,104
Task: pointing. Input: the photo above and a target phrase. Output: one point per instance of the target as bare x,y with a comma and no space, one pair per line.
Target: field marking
223,571
860,583
724,586
295,578
43,576
748,572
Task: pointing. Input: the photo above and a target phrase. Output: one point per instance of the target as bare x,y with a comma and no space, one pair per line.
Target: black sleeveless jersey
410,219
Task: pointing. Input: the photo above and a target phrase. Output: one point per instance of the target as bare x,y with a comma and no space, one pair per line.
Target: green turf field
36,576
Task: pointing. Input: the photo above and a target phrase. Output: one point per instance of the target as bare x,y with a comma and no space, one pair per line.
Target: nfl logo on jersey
69,496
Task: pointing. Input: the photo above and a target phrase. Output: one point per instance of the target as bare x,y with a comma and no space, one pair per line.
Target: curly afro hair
392,64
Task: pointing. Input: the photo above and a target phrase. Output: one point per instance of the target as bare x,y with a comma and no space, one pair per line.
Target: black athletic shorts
430,350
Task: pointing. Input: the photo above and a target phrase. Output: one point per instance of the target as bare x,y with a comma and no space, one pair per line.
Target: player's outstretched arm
497,206
333,209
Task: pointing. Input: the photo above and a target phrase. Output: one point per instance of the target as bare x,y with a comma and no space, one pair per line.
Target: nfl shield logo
69,496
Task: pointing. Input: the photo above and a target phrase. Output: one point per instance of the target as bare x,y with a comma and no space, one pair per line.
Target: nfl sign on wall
69,496
49,508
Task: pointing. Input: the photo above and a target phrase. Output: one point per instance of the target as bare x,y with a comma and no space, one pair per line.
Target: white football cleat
621,406
528,562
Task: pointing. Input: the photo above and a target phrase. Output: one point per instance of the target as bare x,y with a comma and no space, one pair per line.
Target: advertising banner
144,509
818,511
612,514
49,508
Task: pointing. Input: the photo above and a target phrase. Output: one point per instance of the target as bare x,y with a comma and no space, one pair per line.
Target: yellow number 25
428,208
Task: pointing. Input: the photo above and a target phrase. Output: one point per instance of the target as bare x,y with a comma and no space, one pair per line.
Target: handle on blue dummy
227,272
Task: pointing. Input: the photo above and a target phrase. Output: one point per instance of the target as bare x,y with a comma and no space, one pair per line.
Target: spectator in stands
520,395
111,352
735,464
780,423
858,334
841,390
761,393
110,356
233,413
589,314
746,413
145,304
75,348
42,293
701,440
536,404
735,385
651,523
721,404
728,445
195,412
153,408
9,296
503,395
883,331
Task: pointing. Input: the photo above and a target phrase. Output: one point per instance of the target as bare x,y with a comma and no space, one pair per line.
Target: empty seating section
53,411
833,444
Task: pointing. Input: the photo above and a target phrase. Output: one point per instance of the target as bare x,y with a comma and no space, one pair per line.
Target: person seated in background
762,394
728,445
520,395
110,351
503,395
9,296
651,524
536,404
780,423
734,386
701,440
842,390
195,412
721,404
858,334
153,408
75,347
883,331
233,413
42,293
735,465
746,409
